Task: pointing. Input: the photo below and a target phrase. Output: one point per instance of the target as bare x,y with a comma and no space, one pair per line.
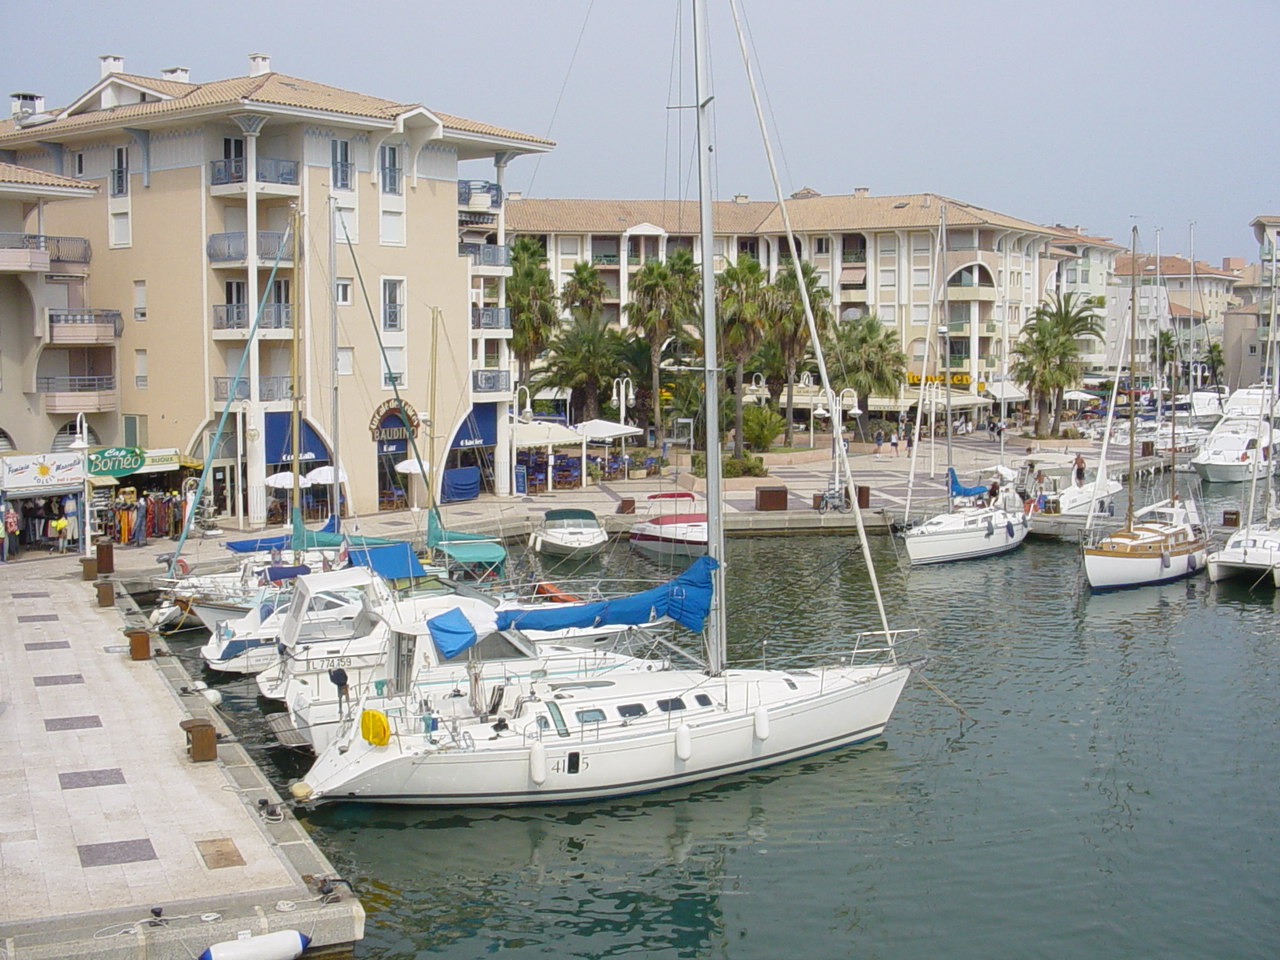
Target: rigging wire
564,85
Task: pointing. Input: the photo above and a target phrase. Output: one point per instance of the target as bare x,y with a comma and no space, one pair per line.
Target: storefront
469,468
136,493
393,424
312,454
40,492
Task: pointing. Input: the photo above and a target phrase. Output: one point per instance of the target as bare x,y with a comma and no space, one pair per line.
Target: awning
1079,396
853,275
959,401
59,490
540,433
605,430
478,429
96,482
279,442
1004,390
891,403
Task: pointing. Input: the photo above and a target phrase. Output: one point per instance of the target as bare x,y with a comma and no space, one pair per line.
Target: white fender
538,763
281,945
684,742
762,722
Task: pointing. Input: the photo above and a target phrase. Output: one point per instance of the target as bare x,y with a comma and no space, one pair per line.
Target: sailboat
547,740
978,522
1161,542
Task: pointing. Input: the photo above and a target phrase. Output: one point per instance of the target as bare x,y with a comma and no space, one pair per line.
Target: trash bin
139,644
106,557
1231,518
1148,448
202,739
771,498
106,593
864,497
817,501
88,568
627,505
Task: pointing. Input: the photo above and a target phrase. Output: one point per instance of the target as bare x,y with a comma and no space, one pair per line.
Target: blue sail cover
283,541
396,561
452,633
686,600
960,490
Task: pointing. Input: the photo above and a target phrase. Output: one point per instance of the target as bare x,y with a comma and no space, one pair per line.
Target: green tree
585,290
741,291
761,424
864,355
1049,354
1213,358
584,358
790,327
663,298
531,299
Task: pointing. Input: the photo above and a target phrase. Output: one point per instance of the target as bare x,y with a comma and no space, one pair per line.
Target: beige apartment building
876,255
1248,354
272,201
1086,272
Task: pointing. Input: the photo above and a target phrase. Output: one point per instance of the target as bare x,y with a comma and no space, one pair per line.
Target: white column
502,458
255,419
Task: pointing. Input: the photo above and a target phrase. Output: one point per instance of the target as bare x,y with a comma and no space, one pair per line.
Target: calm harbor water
1112,796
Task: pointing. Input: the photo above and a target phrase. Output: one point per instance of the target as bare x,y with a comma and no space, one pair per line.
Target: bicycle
835,499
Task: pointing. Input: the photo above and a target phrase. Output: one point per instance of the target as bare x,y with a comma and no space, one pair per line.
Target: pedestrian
60,531
339,678
1079,464
911,439
1000,430
12,533
893,443
879,440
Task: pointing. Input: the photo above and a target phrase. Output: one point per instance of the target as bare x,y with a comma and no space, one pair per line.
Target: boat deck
103,816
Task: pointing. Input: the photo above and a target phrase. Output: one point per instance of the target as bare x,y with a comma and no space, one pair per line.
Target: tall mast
335,502
716,637
1157,378
944,361
1133,354
295,426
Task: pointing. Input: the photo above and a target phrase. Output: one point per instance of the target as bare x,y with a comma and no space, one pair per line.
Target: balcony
393,317
969,292
119,181
605,259
485,254
491,381
239,317
490,318
269,388
37,253
84,326
78,394
392,181
231,248
274,176
956,362
853,256
479,195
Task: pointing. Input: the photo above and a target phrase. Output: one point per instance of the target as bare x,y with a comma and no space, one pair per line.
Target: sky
1098,115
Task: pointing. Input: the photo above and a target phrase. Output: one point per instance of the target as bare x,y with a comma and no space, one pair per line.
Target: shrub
733,467
760,426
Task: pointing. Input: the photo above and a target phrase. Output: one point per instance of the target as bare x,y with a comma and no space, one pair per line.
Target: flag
276,556
345,553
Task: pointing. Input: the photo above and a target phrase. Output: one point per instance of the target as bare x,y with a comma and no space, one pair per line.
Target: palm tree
741,292
792,328
585,289
772,366
1164,350
531,299
1049,349
584,358
1213,358
663,298
864,354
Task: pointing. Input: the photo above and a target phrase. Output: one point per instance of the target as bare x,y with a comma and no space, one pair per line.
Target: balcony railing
485,254
65,249
74,384
119,181
490,381
393,316
957,362
222,388
270,170
392,179
490,318
390,380
239,316
59,316
472,193
224,247
853,256
605,258
269,388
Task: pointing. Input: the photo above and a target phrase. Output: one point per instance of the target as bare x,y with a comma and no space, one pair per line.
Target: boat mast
1133,354
716,636
944,361
335,502
1264,411
295,426
1157,379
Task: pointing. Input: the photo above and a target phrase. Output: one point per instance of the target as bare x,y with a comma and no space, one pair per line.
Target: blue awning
452,633
279,442
479,429
394,562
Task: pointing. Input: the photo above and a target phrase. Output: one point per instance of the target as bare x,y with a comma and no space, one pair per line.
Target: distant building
1086,272
1249,325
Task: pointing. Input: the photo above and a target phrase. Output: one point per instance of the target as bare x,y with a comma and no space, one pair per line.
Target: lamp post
81,444
819,411
624,395
841,406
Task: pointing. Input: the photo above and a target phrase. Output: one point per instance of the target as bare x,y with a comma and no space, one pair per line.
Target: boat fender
213,696
1191,563
554,594
374,728
538,763
762,722
281,945
684,742
182,567
1008,528
1165,559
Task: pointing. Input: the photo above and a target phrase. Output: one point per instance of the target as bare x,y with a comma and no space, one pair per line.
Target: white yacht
973,527
1234,446
1252,553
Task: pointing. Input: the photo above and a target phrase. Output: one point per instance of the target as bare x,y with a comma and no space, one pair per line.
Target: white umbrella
284,481
324,476
1078,396
411,466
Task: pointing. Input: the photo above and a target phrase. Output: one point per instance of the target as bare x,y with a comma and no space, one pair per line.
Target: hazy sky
1086,113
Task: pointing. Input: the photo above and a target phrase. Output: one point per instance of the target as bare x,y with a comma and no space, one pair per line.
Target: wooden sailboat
1158,543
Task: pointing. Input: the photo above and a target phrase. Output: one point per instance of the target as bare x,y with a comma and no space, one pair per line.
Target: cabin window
790,683
562,729
702,700
667,706
590,716
629,710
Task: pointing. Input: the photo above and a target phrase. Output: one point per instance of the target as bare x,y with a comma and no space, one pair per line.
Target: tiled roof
1075,235
1169,267
808,215
276,89
12,173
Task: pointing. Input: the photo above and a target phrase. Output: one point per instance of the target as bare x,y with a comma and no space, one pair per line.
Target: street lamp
81,444
526,412
624,395
819,411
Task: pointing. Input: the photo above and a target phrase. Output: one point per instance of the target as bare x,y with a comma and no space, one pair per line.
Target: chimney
739,198
515,195
862,191
111,63
180,74
1233,264
259,63
25,104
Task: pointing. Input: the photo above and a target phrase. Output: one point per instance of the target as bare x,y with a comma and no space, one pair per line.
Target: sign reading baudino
400,427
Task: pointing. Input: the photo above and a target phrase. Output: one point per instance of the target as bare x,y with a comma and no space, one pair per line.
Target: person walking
879,441
893,443
1079,465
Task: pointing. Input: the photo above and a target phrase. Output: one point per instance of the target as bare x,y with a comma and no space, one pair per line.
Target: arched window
66,435
6,442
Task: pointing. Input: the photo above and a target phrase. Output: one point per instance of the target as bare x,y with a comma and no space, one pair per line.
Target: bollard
627,505
106,557
864,497
202,739
139,644
106,593
88,568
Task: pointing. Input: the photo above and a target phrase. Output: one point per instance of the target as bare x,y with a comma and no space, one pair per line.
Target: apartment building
1086,269
876,255
1248,355
273,201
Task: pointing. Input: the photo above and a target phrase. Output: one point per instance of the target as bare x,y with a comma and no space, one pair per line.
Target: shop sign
116,461
396,429
957,379
161,461
42,470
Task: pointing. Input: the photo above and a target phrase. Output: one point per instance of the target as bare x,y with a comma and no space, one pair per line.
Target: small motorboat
571,532
672,534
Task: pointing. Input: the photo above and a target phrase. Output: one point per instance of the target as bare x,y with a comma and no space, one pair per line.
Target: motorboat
1252,553
675,534
1050,484
1162,542
975,526
570,532
1234,446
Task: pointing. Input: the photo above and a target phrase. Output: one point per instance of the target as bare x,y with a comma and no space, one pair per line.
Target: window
391,173
393,367
821,246
888,277
702,700
920,313
1071,274
78,163
889,246
392,305
1253,349
340,172
135,430
342,291
919,276
592,715
140,369
391,227
346,361
120,173
568,246
139,299
120,235
669,706
630,710
345,225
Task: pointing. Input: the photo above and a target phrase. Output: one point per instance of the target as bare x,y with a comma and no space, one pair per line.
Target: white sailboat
1161,542
543,740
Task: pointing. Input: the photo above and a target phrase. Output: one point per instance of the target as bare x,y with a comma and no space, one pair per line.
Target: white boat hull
1252,554
1227,471
683,541
574,547
1115,573
943,543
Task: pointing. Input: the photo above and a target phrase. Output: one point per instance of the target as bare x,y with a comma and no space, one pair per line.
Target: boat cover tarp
960,490
460,483
468,548
571,513
686,600
281,574
395,561
452,633
303,539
